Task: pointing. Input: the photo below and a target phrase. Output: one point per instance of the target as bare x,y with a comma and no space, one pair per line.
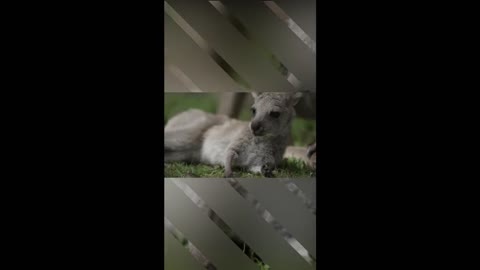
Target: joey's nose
256,128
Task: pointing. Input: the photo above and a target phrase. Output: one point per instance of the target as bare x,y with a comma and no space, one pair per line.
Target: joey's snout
256,128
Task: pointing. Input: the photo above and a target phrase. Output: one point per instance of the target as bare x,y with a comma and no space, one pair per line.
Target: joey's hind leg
229,159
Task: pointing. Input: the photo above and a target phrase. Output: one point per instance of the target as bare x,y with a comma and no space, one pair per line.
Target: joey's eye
253,111
274,114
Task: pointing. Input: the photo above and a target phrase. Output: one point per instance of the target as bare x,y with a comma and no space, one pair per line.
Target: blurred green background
303,131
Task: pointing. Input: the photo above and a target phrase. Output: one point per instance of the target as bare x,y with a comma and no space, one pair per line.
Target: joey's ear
254,95
295,98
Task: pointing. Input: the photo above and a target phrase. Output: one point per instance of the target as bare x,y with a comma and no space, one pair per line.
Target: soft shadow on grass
288,168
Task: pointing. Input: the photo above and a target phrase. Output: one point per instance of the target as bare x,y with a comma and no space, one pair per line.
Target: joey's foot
312,149
312,155
267,170
228,174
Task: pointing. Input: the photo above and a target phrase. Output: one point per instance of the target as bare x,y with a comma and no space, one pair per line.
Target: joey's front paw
267,170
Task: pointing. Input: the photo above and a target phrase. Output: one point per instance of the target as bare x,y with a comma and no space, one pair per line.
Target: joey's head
272,112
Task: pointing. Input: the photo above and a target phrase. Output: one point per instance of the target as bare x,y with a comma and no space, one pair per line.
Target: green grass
288,168
303,133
